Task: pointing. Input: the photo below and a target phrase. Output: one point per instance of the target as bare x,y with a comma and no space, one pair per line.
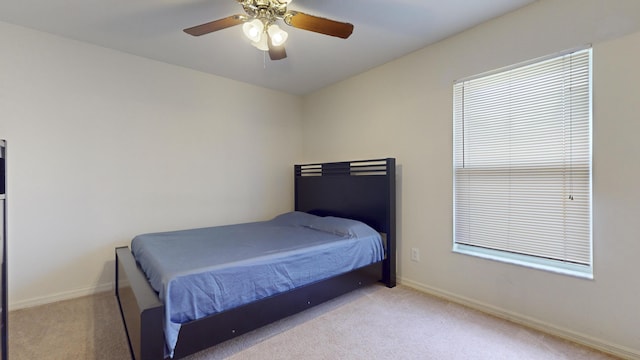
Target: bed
331,200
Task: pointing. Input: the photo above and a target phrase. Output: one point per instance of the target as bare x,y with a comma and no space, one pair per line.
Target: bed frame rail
142,311
235,322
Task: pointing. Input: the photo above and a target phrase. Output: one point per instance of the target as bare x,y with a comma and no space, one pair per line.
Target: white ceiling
384,30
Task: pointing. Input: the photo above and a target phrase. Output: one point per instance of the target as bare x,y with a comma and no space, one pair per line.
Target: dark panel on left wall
3,249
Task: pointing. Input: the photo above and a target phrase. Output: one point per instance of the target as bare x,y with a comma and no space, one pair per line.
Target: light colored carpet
371,323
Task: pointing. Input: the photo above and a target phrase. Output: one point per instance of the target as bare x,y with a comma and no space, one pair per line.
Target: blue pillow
295,218
342,227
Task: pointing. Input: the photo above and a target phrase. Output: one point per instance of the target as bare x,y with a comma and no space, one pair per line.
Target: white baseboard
67,295
586,340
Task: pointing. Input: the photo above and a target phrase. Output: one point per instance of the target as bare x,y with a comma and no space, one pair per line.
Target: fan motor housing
264,9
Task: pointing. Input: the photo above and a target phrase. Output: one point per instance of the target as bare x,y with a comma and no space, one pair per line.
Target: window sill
559,267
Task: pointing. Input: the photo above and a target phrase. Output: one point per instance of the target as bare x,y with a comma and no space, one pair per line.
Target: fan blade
317,24
216,25
276,52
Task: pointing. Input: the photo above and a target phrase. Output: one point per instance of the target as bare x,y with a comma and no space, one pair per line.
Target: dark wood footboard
141,310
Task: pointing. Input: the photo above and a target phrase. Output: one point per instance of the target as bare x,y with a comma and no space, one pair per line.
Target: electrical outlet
415,254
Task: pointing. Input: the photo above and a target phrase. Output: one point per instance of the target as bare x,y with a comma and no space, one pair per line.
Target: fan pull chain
264,60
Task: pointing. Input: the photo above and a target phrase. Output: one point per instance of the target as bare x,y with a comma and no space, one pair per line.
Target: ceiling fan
259,25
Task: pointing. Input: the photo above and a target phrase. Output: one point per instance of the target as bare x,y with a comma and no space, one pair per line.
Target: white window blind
522,160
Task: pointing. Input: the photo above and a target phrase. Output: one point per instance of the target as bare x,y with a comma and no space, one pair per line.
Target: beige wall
103,145
404,109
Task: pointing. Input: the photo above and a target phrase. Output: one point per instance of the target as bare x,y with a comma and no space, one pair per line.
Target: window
522,164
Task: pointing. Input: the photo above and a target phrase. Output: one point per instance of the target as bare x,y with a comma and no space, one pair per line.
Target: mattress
200,272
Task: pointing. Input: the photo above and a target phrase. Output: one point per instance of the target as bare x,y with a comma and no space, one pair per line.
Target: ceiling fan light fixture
253,29
259,25
277,35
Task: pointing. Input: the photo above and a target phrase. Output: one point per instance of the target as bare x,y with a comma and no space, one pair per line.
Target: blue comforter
200,272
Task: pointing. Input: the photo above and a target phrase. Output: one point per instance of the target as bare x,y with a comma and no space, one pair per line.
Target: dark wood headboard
363,190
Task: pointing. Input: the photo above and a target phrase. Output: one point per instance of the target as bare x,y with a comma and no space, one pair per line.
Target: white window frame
582,269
